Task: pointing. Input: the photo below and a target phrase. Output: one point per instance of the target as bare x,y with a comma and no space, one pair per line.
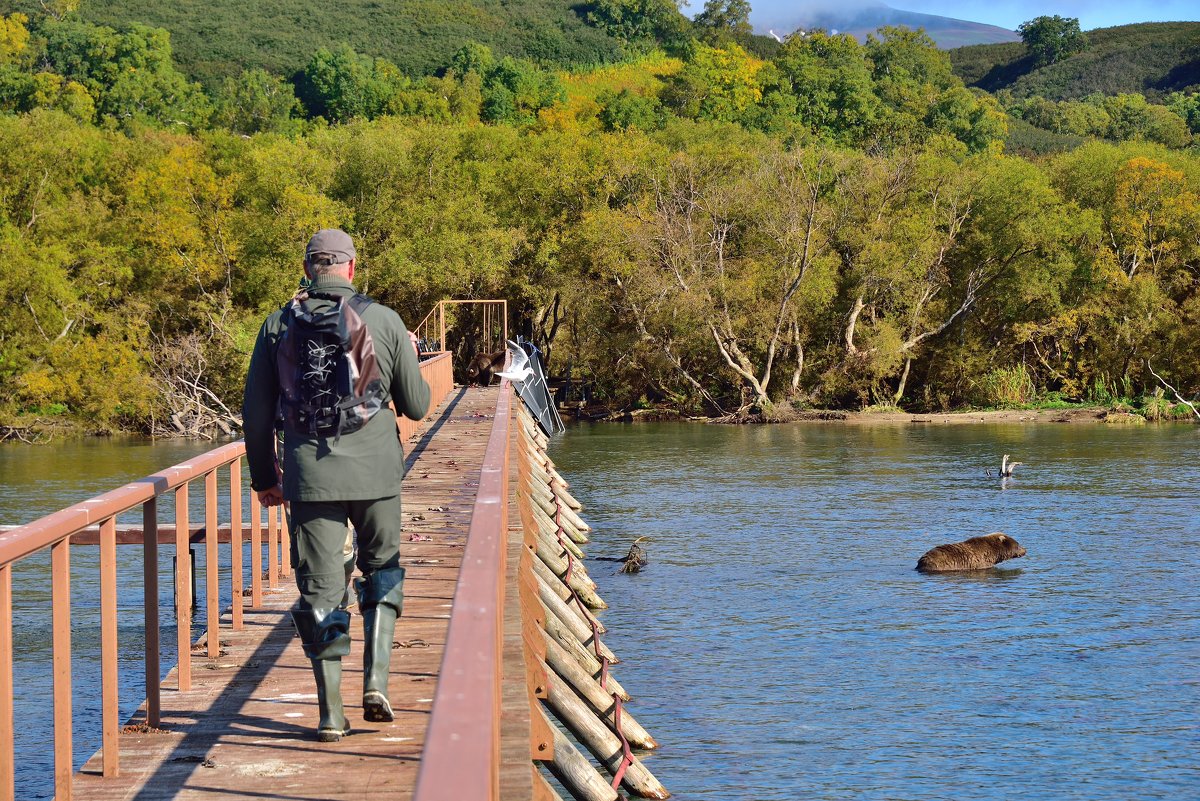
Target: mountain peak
861,17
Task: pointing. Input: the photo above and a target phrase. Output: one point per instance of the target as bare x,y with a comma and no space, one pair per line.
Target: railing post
237,579
60,602
110,708
150,595
183,589
7,773
212,587
256,565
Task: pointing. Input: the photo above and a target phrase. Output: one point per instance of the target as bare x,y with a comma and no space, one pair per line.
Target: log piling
569,666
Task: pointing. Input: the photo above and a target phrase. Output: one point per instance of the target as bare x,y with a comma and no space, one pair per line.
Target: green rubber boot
380,599
333,725
325,634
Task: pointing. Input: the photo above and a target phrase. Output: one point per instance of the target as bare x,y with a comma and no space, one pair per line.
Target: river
779,644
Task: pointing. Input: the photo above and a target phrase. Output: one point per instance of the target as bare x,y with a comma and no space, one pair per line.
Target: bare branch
1174,391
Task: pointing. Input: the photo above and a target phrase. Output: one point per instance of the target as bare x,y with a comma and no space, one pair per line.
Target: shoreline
1077,415
72,430
1081,415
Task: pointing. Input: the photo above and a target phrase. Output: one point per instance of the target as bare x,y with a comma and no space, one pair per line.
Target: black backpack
329,377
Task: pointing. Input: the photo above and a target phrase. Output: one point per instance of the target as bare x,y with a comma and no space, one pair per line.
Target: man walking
324,367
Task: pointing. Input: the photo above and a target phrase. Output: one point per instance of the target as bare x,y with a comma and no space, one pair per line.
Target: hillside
859,19
1153,58
220,37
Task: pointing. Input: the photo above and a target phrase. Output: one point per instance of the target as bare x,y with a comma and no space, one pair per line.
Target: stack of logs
568,663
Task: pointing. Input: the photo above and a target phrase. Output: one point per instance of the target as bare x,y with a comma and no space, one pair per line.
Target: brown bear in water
481,368
977,553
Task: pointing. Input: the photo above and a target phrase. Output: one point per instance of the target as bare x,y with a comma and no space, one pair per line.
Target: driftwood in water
633,561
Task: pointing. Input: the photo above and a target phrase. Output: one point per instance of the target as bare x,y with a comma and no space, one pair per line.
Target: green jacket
365,464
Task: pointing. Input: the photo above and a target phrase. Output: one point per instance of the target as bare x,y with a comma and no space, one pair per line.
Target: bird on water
1007,467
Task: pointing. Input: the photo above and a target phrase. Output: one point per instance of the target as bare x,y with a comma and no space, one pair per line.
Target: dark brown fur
977,553
484,365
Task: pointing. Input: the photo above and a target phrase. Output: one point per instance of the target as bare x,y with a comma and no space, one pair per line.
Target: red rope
626,754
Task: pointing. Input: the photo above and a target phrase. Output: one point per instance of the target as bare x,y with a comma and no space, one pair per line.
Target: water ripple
781,645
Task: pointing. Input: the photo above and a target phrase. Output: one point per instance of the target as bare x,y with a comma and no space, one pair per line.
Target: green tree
129,74
830,79
1187,106
515,90
625,111
257,101
725,19
1050,39
341,85
640,21
473,57
717,83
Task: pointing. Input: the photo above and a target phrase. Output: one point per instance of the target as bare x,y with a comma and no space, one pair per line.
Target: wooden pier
245,728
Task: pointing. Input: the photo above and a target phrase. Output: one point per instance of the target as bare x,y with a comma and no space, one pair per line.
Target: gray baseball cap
329,246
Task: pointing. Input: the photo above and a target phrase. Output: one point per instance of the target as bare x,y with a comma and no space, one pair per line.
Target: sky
1011,13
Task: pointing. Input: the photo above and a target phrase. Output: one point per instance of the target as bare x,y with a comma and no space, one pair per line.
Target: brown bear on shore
481,368
977,553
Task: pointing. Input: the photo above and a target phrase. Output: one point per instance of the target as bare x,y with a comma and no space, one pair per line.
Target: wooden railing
461,758
494,322
96,520
437,372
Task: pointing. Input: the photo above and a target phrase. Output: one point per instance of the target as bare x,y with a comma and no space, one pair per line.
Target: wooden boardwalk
246,728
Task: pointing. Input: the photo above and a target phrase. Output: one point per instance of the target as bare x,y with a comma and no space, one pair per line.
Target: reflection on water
780,644
38,480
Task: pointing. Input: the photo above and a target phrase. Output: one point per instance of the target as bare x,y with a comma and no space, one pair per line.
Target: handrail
54,531
461,758
439,374
494,311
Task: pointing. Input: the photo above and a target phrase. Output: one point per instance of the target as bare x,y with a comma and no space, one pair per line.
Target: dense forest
1153,59
709,224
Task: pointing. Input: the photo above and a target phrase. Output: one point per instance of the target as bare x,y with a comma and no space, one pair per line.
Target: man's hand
413,339
272,496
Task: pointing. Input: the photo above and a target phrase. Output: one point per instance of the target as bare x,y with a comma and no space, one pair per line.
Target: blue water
780,645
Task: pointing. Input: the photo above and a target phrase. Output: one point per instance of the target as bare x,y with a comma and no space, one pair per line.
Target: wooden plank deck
246,729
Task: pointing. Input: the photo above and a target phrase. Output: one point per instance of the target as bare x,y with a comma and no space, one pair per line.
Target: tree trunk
903,381
851,323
